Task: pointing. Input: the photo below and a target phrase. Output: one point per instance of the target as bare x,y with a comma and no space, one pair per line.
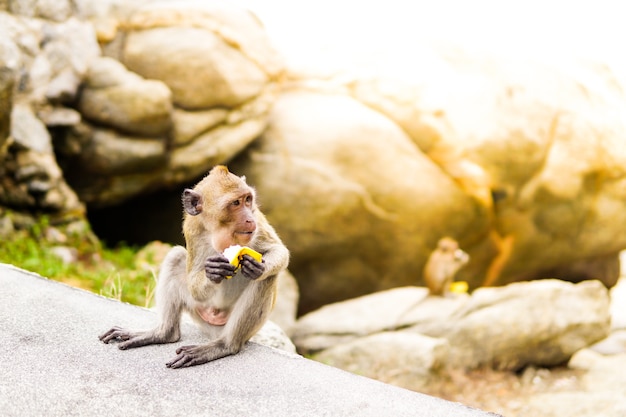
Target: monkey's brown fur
220,211
442,264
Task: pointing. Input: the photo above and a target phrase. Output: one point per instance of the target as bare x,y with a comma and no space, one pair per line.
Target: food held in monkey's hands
234,259
217,267
251,268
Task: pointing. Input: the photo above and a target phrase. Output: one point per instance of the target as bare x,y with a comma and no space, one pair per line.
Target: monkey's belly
213,316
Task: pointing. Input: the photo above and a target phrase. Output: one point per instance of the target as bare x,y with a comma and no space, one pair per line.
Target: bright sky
583,28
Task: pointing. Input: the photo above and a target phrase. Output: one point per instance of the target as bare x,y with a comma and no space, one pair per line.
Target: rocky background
520,158
361,168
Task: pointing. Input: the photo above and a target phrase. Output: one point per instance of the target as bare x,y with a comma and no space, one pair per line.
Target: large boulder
51,58
522,160
115,97
355,200
182,86
409,360
187,84
540,323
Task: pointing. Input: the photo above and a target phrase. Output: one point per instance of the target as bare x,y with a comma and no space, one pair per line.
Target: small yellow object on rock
235,253
459,287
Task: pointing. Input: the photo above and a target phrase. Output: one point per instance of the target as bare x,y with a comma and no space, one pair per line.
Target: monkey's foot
130,339
115,333
197,355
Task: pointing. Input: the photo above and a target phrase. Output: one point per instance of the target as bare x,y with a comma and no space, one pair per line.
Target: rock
615,343
44,184
118,98
201,69
52,58
404,359
211,148
273,336
28,131
189,125
63,88
505,328
599,391
57,10
67,50
205,90
360,168
345,321
508,198
286,307
9,62
209,54
112,154
503,130
59,116
491,329
540,191
66,254
149,257
618,304
7,228
33,180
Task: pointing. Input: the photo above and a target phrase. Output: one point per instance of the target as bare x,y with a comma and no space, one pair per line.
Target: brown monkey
220,211
442,264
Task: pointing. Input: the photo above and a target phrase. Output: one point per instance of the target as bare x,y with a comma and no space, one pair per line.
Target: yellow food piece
459,287
236,252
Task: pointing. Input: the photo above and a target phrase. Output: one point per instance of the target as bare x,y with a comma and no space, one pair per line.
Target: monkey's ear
192,202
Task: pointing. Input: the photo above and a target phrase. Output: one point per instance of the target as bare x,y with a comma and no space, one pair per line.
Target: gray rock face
183,87
123,100
351,179
538,323
533,323
201,69
405,359
28,132
9,55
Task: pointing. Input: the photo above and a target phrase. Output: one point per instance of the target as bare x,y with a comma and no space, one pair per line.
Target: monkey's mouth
244,236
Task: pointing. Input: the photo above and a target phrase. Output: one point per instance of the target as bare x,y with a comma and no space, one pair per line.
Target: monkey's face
222,205
236,226
449,248
238,220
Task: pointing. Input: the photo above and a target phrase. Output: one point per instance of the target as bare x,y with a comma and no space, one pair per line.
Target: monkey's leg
169,301
248,316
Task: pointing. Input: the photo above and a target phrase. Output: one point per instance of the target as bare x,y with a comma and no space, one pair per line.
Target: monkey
442,264
230,305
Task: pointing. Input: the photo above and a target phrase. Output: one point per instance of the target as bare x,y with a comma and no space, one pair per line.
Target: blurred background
370,130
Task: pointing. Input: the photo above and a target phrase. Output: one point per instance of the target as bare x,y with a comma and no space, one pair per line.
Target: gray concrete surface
52,364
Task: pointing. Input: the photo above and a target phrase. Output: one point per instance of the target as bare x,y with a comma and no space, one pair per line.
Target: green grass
112,272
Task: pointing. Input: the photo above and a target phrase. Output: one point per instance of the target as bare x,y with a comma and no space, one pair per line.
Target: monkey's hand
251,268
217,268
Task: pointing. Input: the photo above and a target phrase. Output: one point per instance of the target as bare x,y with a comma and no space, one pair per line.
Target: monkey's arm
275,253
275,259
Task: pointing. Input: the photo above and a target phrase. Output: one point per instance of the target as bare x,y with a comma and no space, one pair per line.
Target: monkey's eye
249,199
236,203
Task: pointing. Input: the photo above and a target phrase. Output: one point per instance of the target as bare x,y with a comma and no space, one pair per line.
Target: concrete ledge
53,364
